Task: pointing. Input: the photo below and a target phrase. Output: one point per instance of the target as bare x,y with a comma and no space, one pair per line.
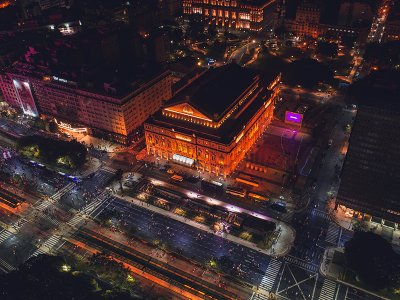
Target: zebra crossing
75,220
94,204
5,266
56,196
268,279
88,209
108,169
21,222
48,245
328,290
43,205
301,263
259,296
332,234
52,220
287,217
4,234
319,213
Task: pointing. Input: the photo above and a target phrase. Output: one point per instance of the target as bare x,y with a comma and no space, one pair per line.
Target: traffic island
281,245
334,266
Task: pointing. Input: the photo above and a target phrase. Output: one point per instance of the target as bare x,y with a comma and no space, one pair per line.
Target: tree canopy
70,154
383,54
196,28
307,73
378,89
327,49
42,277
373,259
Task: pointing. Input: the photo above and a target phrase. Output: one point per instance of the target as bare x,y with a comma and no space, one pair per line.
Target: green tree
50,151
281,32
42,277
196,28
39,123
385,55
307,73
118,176
327,49
373,259
212,30
53,127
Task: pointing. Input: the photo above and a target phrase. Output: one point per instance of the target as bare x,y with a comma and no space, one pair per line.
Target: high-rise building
371,172
106,110
213,120
236,14
392,27
306,22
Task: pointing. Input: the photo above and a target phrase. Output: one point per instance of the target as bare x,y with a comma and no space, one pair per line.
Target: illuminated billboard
293,118
25,97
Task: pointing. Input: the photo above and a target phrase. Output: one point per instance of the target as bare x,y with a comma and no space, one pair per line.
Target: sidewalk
333,267
100,144
90,166
345,220
280,248
327,266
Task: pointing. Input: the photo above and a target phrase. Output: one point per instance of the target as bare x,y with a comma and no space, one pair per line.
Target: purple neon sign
293,117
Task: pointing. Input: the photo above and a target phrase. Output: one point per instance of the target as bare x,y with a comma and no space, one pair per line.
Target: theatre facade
214,119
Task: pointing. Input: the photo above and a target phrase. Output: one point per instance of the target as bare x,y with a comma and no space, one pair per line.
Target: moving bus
258,197
247,181
213,186
236,191
177,177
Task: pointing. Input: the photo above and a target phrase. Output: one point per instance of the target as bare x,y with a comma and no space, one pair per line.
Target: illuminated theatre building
237,14
213,120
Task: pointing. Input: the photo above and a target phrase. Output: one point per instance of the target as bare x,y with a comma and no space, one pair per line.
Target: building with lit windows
307,20
371,172
213,120
392,26
105,111
236,14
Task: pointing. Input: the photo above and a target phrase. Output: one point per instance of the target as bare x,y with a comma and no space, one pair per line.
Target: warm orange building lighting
4,4
214,120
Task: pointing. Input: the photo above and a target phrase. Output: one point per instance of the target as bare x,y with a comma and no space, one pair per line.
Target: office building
371,172
105,110
307,20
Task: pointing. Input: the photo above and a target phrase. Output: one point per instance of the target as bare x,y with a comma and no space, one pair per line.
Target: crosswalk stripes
52,220
268,279
62,192
43,205
21,222
301,263
260,296
75,220
88,209
108,169
4,234
47,245
319,213
332,234
6,266
38,252
287,217
328,290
